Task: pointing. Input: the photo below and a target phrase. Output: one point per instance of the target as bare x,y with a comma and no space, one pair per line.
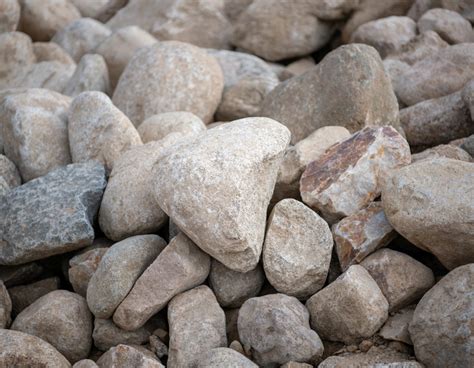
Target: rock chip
62,319
106,335
82,267
334,10
396,327
451,26
195,181
179,267
9,172
125,356
431,203
276,328
50,51
443,150
5,307
91,75
9,15
24,295
119,268
350,308
224,357
52,214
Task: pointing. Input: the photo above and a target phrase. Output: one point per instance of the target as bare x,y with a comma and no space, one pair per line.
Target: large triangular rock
217,187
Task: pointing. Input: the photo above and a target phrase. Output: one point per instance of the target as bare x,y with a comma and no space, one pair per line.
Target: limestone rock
5,307
443,150
334,10
50,51
9,172
451,26
396,327
91,75
24,295
224,357
106,335
124,356
9,15
82,267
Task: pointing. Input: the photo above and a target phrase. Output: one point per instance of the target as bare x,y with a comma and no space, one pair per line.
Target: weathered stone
106,335
451,26
125,356
91,75
98,130
140,12
22,274
276,328
396,327
85,363
9,172
468,96
349,175
52,214
197,324
62,319
301,66
187,77
350,308
50,51
443,150
334,9
23,350
357,93
101,10
119,268
157,346
224,357
35,131
464,7
361,233
233,8
233,288
9,15
440,341
231,318
468,145
24,295
297,249
431,204
179,267
17,55
82,267
238,160
5,307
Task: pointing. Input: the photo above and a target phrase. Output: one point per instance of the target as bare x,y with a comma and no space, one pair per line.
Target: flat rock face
179,267
431,203
349,175
82,267
106,335
276,328
123,356
350,308
224,357
357,93
9,15
446,342
52,214
24,295
396,327
120,267
35,131
449,24
91,75
50,51
217,187
297,249
169,76
197,324
62,319
443,151
5,307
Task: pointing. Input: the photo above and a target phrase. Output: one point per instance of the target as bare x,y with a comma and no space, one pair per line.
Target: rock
297,249
357,93
276,328
98,130
467,94
349,175
85,363
35,131
386,35
52,214
124,356
424,205
443,150
301,66
42,19
22,274
82,267
451,26
350,308
81,37
334,10
233,288
231,317
101,10
362,233
120,267
62,319
224,357
91,75
24,295
158,126
140,12
157,346
281,31
187,77
9,172
106,335
233,8
446,342
50,51
197,324
9,15
396,327
29,351
468,145
119,47
5,307
230,231
179,267
464,7
17,56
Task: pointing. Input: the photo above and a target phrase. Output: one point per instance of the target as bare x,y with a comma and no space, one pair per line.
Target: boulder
443,150
334,10
50,51
19,56
91,75
24,295
450,25
21,274
85,363
139,12
463,7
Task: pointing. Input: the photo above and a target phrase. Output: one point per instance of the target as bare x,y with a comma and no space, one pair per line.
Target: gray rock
463,7
85,363
450,25
142,12
106,335
50,51
24,295
157,346
396,327
91,75
101,10
9,172
9,15
334,10
82,267
21,274
5,307
52,214
224,357
468,145
125,356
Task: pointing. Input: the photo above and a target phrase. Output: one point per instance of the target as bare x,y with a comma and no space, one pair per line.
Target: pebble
50,51
396,327
82,267
9,172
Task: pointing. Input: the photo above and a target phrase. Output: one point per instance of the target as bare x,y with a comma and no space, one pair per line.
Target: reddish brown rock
82,267
24,295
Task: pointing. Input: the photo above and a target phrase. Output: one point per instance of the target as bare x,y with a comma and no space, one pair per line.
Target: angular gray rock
106,335
449,24
91,75
21,274
224,357
5,307
125,356
24,295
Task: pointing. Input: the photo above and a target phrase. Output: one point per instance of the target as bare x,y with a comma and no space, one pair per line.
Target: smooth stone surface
224,357
50,51
125,356
91,75
106,335
396,327
9,172
449,24
442,151
5,307
82,267
20,55
85,363
24,295
9,15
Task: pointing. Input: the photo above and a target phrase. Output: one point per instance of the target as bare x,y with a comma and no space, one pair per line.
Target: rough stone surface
431,204
91,75
349,175
195,181
62,319
276,329
21,274
9,15
24,295
18,54
140,12
119,268
52,214
463,7
101,10
350,308
197,324
85,363
9,172
224,357
357,93
124,356
50,51
106,335
396,327
297,249
5,306
450,25
334,9
169,76
443,150
82,267
179,267
446,342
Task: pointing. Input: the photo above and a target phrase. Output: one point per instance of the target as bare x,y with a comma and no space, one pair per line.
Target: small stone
451,26
120,267
236,345
52,214
20,55
21,274
82,267
349,175
301,66
9,172
125,356
396,327
98,130
441,341
142,12
443,150
335,321
297,249
107,335
334,10
233,288
365,345
91,75
179,267
361,234
85,363
9,15
24,295
62,319
50,51
5,307
197,324
157,346
276,328
224,357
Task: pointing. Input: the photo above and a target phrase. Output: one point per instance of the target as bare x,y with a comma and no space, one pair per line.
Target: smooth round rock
91,75
224,357
450,25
